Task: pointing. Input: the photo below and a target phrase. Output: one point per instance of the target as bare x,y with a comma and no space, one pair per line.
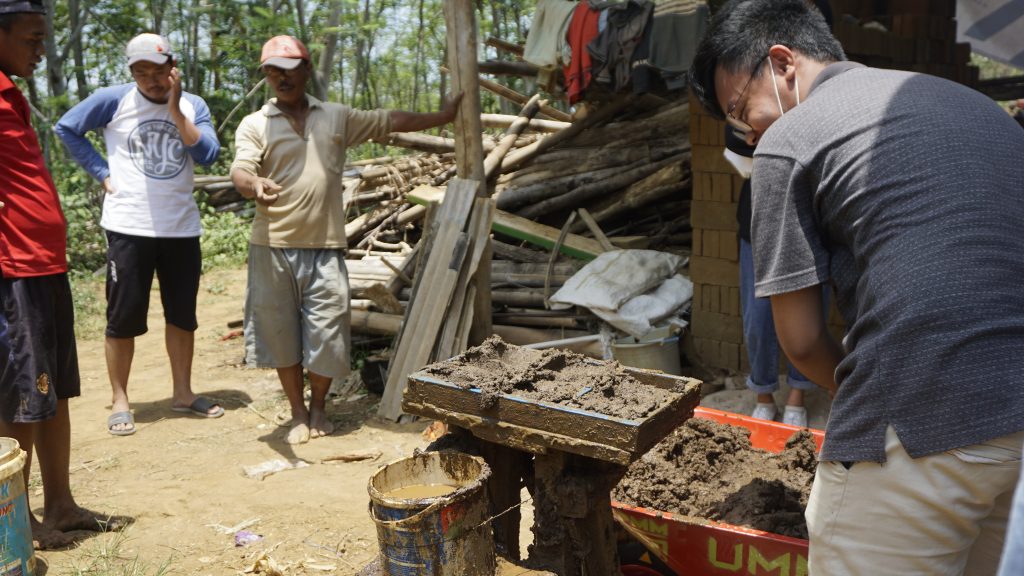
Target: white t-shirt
150,168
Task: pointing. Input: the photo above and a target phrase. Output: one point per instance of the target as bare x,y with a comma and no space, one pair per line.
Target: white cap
150,47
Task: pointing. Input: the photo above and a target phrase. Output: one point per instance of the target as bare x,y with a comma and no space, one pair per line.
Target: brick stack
716,335
917,35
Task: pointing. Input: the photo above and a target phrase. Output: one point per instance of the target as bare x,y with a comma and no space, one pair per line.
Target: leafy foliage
225,240
374,53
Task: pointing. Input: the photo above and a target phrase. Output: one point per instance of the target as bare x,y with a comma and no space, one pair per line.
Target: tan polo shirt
309,212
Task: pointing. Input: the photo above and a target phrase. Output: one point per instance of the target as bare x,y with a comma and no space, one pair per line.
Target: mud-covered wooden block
537,401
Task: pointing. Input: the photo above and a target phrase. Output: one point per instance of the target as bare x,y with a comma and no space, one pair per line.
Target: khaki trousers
940,514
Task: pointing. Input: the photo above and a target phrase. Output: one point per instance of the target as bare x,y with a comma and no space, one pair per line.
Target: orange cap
285,52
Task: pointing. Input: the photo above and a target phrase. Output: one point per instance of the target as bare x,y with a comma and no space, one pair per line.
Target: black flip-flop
201,407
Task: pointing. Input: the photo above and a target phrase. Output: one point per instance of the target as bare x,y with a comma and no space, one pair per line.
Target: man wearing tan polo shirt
289,158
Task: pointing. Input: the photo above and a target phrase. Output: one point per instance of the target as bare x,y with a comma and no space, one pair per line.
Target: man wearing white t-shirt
154,134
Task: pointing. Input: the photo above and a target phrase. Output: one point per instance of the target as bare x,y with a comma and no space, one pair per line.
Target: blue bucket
16,555
446,535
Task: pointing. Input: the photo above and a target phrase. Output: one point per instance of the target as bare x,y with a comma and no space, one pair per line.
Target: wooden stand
577,459
573,527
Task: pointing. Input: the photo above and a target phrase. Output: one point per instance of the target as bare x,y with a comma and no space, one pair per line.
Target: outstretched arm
402,121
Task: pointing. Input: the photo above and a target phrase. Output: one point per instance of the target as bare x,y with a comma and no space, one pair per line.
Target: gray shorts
297,310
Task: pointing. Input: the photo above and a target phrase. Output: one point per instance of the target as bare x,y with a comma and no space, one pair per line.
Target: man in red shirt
38,360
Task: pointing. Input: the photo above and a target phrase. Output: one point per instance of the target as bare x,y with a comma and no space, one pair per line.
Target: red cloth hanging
582,29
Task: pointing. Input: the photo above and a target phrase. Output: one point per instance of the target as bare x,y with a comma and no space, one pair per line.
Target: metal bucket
446,535
16,556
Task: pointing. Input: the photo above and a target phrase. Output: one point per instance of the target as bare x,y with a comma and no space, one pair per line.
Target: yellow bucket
16,555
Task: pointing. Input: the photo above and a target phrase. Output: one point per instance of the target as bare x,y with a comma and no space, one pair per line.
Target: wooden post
469,151
462,54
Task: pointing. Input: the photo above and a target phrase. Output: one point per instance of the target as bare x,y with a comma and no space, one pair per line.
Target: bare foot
46,538
79,518
298,433
320,424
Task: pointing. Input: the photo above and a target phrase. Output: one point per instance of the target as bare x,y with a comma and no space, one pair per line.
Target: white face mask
743,165
775,85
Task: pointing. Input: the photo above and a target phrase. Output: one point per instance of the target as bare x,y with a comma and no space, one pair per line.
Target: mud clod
707,470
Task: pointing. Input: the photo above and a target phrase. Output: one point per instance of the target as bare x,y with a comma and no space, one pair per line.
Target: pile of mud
708,470
554,376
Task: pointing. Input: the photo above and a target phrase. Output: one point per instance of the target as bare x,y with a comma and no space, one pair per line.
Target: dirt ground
181,478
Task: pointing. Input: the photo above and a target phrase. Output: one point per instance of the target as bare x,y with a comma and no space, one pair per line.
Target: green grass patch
105,555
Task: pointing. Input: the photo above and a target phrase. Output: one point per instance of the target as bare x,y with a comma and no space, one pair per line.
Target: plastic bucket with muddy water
431,512
15,532
657,350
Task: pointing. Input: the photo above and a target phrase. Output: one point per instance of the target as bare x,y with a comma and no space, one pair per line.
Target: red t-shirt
33,231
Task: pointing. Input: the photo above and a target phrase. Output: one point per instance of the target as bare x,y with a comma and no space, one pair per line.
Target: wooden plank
459,318
518,437
482,325
521,228
423,317
633,436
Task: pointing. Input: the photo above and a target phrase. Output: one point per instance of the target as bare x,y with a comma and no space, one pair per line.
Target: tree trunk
195,73
76,20
326,63
418,63
156,8
55,80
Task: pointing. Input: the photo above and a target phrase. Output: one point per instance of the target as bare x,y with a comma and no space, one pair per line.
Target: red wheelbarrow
673,544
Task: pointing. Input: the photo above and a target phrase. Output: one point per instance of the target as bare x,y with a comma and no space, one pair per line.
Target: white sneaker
765,411
795,416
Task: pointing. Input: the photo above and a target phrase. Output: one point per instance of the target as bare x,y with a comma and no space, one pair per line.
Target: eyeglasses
730,116
275,71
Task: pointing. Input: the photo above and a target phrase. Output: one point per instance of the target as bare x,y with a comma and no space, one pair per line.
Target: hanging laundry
645,77
582,29
546,38
612,50
676,29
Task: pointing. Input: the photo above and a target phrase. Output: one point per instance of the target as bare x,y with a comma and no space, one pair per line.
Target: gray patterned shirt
906,192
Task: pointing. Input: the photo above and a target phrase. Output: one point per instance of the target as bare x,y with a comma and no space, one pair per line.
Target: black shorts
131,261
38,359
